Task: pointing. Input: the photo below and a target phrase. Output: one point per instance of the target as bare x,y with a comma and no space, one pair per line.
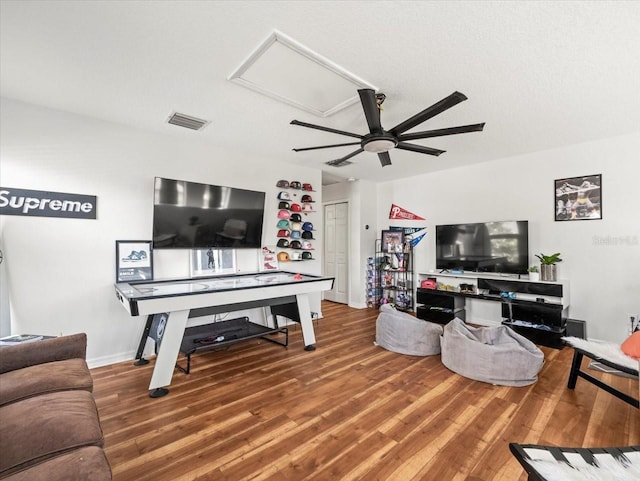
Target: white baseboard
357,305
484,322
111,359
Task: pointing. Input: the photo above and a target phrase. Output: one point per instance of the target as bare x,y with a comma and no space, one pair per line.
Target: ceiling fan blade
338,162
419,148
325,146
326,129
385,159
371,110
463,129
437,108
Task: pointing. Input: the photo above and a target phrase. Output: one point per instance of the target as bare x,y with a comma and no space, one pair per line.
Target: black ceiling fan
380,141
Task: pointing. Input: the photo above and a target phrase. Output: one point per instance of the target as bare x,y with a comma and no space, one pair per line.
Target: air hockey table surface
180,287
140,298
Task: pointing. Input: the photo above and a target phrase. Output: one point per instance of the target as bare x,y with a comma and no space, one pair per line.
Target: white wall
362,213
601,258
60,272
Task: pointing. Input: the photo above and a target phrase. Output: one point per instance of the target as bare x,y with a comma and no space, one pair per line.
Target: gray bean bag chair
405,334
497,355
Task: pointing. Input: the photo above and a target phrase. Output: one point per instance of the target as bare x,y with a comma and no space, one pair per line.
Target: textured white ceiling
540,74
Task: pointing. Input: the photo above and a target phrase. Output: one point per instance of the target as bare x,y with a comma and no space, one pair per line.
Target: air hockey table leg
304,311
168,353
140,360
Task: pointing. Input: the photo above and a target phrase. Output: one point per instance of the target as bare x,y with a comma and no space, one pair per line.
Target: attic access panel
287,71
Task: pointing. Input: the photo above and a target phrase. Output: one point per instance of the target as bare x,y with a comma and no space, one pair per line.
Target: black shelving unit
392,281
542,320
439,306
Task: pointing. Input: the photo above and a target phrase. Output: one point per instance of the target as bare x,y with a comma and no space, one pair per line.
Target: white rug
608,469
605,350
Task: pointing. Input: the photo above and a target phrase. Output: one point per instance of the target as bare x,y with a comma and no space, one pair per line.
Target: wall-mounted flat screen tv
189,215
501,247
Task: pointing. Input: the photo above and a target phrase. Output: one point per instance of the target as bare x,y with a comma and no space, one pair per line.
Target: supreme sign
41,203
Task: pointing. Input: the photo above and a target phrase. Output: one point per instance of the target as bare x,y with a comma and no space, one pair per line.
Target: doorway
336,250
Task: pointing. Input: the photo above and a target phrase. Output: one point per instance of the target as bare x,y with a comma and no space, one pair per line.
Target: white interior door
336,250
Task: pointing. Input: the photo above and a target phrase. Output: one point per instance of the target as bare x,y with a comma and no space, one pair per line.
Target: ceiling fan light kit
380,141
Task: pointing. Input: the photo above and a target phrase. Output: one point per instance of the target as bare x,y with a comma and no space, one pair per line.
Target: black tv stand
538,312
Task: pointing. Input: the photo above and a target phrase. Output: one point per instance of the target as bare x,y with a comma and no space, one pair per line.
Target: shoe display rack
373,282
296,231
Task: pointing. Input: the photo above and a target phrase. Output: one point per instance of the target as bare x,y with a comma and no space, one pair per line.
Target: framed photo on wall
392,241
134,260
578,198
211,262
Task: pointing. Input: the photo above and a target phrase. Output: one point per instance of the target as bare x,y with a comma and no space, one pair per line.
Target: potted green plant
534,273
548,266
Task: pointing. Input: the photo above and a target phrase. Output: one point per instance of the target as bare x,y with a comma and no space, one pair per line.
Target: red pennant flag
398,212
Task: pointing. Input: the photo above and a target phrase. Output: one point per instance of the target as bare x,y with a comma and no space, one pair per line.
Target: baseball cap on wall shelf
307,187
295,256
283,214
295,234
283,224
296,208
307,226
307,234
306,245
283,243
295,244
283,233
296,218
284,196
283,257
283,205
283,184
306,208
307,256
307,199
295,185
296,226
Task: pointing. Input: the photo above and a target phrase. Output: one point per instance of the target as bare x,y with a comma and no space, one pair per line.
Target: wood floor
347,411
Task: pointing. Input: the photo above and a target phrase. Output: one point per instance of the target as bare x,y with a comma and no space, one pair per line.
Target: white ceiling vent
339,163
186,121
285,70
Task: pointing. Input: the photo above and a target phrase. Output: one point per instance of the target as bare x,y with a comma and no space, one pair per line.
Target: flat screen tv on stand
190,215
500,247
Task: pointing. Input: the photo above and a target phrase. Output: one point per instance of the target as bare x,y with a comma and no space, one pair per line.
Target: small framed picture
211,262
392,241
134,260
578,198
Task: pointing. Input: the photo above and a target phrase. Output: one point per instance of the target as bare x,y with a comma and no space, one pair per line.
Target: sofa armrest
48,350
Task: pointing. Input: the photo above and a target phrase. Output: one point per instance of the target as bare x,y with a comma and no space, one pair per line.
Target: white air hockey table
181,299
